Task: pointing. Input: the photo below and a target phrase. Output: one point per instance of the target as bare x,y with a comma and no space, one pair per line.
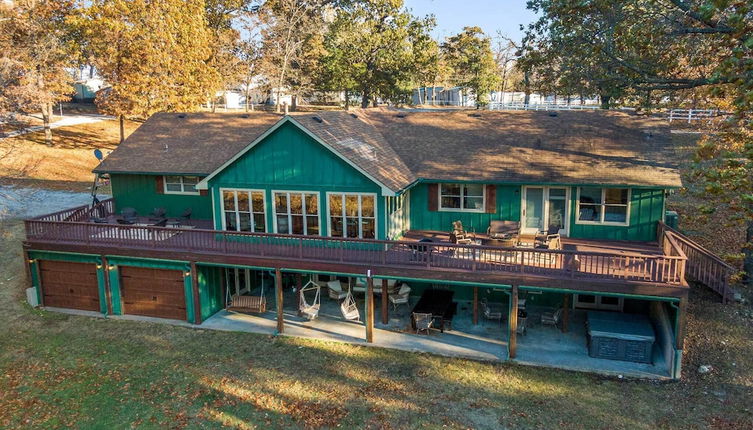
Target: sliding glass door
543,207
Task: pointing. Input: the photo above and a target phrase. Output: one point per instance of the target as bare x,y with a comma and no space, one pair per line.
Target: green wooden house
204,206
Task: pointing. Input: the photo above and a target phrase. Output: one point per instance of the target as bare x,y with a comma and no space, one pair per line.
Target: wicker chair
423,322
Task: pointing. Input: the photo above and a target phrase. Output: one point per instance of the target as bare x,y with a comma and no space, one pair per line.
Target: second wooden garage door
153,292
69,285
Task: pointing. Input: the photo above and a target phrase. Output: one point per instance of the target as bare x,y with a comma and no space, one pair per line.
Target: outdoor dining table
438,303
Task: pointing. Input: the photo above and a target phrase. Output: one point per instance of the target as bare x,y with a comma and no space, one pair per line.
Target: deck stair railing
703,266
570,264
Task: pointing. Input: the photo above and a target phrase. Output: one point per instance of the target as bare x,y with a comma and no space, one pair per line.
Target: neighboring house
440,96
346,194
86,89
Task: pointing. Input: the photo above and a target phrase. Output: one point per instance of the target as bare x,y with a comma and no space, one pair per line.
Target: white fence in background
540,106
690,115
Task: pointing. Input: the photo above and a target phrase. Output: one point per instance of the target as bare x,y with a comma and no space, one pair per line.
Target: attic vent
400,115
317,119
552,114
181,116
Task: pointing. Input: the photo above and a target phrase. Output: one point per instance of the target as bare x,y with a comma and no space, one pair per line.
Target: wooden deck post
196,298
278,292
385,303
513,322
565,313
682,310
475,305
369,309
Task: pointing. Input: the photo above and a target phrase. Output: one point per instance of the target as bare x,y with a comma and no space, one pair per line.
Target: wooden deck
581,265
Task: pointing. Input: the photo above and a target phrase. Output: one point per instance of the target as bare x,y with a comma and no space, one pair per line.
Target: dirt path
66,121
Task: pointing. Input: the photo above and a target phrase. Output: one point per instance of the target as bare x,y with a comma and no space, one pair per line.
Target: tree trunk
247,99
748,252
294,103
347,100
46,113
122,128
605,101
526,88
365,99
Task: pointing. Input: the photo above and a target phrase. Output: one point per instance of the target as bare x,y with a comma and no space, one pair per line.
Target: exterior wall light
187,273
111,267
32,261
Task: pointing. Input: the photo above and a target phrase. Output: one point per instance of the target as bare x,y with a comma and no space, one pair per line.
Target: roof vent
552,114
181,116
245,115
354,115
475,115
400,115
317,119
538,143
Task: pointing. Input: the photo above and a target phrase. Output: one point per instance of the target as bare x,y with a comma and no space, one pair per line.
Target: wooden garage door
69,285
153,292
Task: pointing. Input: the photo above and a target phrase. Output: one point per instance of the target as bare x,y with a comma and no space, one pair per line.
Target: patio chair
491,311
125,221
400,297
157,214
423,322
129,214
161,223
336,290
544,238
309,309
349,308
360,285
459,234
551,318
503,230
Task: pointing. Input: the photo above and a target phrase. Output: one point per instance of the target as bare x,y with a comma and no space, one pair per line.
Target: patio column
513,322
278,293
475,305
369,309
565,312
385,303
196,298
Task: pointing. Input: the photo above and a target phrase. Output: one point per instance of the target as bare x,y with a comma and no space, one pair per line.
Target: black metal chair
545,238
130,215
157,214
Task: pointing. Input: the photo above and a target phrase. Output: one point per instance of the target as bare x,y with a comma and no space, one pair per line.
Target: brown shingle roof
194,143
398,147
611,148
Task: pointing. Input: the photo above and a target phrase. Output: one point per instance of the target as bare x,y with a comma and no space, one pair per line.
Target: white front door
545,206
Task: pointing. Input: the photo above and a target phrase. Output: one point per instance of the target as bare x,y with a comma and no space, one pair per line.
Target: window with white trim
181,184
352,215
461,197
297,213
243,210
598,205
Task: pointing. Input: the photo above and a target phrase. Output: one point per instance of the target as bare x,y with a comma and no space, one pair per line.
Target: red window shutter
433,197
491,199
160,185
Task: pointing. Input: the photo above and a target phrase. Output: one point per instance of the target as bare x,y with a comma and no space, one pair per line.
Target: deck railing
703,266
662,269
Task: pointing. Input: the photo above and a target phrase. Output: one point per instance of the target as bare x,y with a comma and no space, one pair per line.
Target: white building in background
441,96
463,97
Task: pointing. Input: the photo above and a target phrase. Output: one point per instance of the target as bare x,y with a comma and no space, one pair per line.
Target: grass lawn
69,371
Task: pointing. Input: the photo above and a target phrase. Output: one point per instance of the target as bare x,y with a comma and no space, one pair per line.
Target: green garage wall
140,192
210,290
290,160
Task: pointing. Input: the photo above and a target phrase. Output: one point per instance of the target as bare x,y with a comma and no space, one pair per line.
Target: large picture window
243,210
297,213
603,205
181,184
461,197
352,215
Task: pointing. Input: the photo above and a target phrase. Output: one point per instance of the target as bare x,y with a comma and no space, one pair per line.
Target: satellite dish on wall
98,154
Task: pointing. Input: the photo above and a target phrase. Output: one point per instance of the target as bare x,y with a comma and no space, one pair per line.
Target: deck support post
369,309
682,311
385,303
108,290
512,327
475,305
196,298
299,285
278,294
565,313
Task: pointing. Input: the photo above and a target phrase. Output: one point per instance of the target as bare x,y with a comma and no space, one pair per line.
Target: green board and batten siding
646,209
290,160
140,192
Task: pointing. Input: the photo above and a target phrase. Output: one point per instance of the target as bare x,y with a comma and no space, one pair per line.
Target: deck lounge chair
504,230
